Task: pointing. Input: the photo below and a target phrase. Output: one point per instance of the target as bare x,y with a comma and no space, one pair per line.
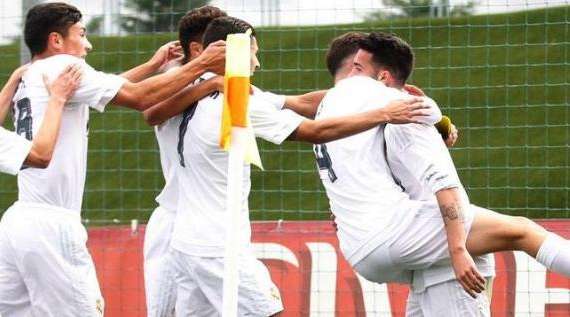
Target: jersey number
24,120
186,116
324,161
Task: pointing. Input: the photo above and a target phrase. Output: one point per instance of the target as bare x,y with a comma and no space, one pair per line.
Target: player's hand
213,58
452,137
406,111
466,272
414,90
64,86
171,51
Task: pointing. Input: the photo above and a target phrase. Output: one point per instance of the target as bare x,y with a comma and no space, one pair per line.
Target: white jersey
361,190
13,151
203,170
421,163
62,183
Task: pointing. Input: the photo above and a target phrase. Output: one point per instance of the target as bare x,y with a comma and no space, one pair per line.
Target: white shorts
200,287
447,299
419,243
159,271
45,267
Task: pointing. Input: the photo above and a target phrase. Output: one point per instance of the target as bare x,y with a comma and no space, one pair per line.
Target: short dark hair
342,47
220,27
390,52
193,24
46,18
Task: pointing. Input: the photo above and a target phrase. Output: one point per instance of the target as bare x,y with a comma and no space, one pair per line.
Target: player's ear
55,40
195,49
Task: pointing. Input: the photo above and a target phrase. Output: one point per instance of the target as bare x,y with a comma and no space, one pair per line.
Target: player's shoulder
51,67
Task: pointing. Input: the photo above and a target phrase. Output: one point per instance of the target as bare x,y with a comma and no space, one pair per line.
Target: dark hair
342,47
390,52
193,24
220,27
46,18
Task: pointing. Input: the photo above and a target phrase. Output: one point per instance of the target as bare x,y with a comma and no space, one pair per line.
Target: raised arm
44,141
165,54
143,95
306,104
7,92
176,104
330,129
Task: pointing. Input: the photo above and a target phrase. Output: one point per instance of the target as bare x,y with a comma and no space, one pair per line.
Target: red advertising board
307,266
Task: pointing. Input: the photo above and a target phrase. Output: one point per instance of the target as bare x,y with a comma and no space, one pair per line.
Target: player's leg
190,300
449,299
55,264
160,286
413,305
257,295
14,298
493,232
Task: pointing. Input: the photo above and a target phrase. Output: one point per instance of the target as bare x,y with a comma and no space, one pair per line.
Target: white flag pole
237,64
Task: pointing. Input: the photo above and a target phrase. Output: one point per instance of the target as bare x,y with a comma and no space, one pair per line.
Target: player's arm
164,55
144,94
306,104
451,208
330,129
44,141
176,104
7,92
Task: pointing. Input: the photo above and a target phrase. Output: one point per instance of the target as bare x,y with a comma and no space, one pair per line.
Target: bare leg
492,232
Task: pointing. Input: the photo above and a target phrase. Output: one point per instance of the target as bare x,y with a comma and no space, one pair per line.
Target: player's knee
522,227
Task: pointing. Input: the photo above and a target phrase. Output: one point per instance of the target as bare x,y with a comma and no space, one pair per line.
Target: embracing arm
44,141
306,104
143,95
165,54
330,129
9,90
176,104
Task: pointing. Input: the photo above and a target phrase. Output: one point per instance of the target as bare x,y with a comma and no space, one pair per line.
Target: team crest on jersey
100,307
274,291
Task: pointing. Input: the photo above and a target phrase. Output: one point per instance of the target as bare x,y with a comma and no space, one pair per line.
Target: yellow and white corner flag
238,139
236,95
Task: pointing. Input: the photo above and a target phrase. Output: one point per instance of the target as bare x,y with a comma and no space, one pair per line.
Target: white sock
554,253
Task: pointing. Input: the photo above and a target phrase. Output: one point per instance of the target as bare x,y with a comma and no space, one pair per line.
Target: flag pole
235,137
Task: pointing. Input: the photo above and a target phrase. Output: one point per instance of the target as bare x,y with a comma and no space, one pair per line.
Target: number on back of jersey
324,162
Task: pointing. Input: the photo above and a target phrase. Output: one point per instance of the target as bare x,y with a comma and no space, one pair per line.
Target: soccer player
340,62
411,235
159,271
17,151
202,176
50,269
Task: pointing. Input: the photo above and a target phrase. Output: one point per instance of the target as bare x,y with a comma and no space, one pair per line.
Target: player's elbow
312,132
132,96
38,158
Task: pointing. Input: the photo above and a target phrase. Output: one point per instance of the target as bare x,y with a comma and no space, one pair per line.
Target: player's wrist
384,116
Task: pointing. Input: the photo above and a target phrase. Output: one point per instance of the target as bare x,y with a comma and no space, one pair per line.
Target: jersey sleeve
271,124
97,88
383,95
278,101
421,151
434,113
13,151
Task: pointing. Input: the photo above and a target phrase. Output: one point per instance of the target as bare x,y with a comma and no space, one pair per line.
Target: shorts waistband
49,208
